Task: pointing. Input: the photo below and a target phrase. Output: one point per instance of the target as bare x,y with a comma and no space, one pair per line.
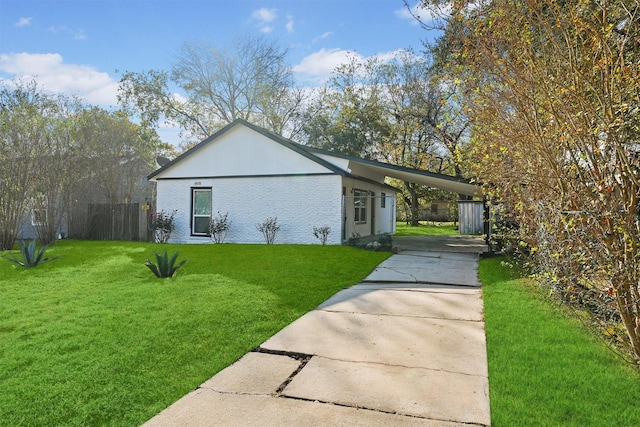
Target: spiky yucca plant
166,266
31,256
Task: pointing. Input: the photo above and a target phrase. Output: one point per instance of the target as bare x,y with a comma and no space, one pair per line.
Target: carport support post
487,222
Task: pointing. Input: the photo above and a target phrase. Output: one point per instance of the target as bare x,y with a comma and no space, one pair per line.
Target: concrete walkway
405,347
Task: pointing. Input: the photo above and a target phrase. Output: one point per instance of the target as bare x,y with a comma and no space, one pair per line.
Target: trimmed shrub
322,233
269,228
219,227
162,225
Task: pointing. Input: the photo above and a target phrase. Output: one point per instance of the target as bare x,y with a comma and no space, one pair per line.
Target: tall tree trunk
414,206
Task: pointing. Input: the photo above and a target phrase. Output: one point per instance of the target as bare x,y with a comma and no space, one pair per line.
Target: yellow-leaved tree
552,89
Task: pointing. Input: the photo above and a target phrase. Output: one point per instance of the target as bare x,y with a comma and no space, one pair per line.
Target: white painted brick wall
299,202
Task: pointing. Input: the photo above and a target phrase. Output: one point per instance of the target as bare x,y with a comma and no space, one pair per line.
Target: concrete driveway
405,347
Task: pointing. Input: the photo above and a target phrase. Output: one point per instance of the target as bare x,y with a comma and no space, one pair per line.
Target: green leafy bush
31,256
386,241
354,240
166,266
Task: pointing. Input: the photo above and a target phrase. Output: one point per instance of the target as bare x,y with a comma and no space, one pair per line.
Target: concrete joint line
421,282
423,368
232,393
400,315
415,280
357,313
381,411
424,255
429,291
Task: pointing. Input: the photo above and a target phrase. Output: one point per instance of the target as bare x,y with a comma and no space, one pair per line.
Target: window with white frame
360,198
383,200
39,210
200,211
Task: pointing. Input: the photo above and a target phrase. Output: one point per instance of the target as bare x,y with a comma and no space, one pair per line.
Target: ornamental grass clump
166,266
31,256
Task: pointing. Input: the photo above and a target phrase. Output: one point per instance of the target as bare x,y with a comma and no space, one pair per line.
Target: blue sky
78,46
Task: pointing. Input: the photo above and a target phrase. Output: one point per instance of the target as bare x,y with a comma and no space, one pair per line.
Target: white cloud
50,71
77,34
317,67
404,13
23,22
289,25
426,15
264,15
169,132
388,56
322,36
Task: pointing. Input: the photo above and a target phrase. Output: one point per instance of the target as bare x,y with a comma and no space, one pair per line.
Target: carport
472,213
434,180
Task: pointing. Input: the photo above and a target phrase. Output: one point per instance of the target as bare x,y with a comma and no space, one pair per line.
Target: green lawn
545,367
426,228
93,338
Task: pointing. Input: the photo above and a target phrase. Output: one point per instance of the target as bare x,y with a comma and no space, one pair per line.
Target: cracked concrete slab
442,244
460,277
207,408
409,261
254,373
404,352
451,304
452,345
444,256
442,270
425,393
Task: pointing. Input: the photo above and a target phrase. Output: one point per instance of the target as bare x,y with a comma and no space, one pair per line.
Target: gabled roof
436,180
280,140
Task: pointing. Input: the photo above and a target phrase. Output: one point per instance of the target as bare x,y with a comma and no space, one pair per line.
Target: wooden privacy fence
117,222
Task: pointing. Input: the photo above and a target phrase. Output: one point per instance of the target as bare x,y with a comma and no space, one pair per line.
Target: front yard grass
426,228
545,367
94,338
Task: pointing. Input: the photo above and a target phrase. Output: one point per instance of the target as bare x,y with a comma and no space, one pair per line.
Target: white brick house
253,174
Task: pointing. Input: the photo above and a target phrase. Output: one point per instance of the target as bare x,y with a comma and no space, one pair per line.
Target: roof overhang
443,182
431,179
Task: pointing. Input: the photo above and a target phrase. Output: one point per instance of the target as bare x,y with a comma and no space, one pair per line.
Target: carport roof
431,179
